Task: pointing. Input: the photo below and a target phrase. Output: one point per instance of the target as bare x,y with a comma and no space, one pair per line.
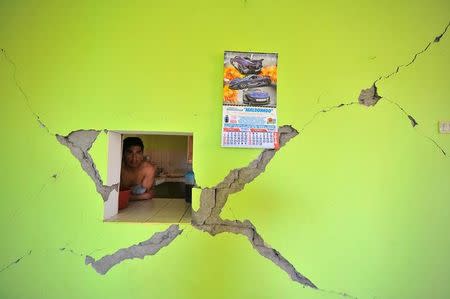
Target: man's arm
147,183
149,177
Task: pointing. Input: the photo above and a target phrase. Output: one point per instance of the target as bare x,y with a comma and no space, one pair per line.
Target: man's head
133,151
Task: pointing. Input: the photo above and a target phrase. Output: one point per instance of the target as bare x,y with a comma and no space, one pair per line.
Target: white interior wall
111,207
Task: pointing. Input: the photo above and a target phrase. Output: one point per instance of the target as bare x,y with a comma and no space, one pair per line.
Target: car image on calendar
249,81
256,97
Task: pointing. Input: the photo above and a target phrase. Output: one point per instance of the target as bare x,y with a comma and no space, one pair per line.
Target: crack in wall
16,261
212,200
370,97
436,144
14,215
67,249
411,119
345,295
246,228
325,110
140,250
25,96
80,142
70,250
397,70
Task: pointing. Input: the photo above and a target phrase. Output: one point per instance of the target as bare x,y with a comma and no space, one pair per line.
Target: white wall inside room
114,164
168,152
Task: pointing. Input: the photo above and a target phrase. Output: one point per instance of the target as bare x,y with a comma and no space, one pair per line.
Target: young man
136,174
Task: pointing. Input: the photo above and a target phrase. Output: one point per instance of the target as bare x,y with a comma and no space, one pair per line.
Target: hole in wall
154,172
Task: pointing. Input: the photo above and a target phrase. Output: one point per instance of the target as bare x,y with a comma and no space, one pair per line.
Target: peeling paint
80,142
16,261
141,250
212,200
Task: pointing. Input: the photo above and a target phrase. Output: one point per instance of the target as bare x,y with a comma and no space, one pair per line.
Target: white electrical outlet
444,127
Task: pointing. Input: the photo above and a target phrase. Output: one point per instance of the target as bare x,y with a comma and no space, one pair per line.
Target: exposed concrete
141,250
80,142
212,200
342,294
369,96
15,262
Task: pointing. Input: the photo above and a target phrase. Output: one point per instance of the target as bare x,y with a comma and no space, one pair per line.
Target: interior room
171,155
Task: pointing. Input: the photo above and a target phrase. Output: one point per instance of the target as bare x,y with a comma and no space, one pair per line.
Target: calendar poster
249,100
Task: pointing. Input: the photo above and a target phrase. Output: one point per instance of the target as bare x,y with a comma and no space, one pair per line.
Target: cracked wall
355,204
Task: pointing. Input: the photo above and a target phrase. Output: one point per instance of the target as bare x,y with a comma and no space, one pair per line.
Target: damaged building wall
356,202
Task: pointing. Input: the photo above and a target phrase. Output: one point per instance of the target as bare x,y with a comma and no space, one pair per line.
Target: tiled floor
156,210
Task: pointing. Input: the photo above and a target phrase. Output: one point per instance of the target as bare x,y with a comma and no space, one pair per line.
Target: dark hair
132,141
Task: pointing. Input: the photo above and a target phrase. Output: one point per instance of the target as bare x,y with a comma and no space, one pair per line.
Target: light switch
444,127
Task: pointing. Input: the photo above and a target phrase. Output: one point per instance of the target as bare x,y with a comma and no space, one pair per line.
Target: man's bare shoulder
148,167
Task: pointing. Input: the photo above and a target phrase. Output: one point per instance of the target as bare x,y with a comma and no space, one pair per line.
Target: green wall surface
358,202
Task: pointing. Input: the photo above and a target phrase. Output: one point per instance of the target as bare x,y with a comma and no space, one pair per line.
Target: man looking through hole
136,174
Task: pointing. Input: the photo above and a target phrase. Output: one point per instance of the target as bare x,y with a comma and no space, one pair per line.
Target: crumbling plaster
79,143
213,199
141,250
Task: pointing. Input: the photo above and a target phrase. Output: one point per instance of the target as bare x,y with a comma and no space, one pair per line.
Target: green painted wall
358,202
